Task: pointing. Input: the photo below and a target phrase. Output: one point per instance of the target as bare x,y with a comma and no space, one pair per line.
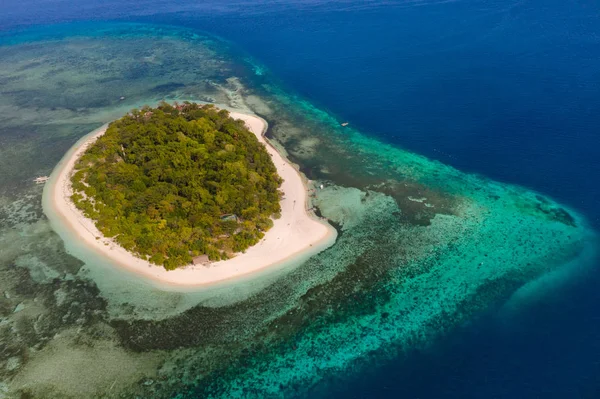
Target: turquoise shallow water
422,250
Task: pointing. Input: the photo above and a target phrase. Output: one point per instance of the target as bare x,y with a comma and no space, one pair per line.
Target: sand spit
298,233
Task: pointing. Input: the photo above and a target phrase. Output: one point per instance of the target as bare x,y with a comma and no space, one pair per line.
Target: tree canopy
176,181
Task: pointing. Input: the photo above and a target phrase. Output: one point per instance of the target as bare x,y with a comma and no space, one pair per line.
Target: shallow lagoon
422,248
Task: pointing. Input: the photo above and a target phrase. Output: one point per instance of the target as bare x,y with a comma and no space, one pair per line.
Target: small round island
182,195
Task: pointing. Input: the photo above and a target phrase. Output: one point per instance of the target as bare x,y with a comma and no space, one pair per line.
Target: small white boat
345,124
41,179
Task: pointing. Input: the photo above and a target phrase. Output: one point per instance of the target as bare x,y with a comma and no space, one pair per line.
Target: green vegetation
173,182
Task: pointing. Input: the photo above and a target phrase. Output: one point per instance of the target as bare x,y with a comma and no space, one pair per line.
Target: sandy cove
297,233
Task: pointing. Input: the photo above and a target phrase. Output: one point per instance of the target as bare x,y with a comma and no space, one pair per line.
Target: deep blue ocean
507,89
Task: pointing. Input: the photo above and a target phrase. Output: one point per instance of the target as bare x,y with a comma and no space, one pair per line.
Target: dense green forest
177,181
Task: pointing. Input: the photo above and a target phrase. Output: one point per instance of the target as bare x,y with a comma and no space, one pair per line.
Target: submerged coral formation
422,247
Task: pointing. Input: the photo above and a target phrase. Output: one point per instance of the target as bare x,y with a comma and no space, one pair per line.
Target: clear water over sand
422,247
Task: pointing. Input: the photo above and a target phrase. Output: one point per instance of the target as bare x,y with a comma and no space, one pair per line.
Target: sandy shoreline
296,234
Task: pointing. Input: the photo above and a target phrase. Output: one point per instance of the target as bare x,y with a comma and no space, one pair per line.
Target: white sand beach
297,233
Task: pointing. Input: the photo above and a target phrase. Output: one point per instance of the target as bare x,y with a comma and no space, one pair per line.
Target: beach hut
201,260
229,217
